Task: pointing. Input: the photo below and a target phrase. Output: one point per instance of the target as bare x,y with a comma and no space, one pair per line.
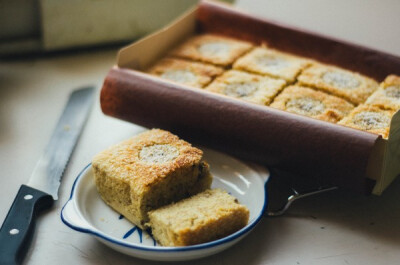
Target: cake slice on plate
148,171
204,217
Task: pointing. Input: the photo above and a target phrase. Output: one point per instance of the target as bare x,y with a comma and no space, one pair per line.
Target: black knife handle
17,229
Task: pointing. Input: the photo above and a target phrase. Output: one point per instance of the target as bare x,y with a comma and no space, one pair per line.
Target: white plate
86,212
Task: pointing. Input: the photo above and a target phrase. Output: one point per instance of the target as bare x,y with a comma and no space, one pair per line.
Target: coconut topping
393,91
158,153
305,106
214,49
179,76
371,120
340,79
241,89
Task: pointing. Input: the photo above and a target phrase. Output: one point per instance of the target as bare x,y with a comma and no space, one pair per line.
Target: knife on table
42,188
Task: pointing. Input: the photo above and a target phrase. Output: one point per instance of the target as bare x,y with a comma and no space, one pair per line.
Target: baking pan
314,151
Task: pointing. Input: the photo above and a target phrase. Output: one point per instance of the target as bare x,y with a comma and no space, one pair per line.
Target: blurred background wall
47,25
371,23
50,25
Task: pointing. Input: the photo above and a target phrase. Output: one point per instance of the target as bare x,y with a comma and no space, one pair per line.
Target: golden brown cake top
388,94
273,63
147,158
391,80
351,86
312,103
185,72
249,87
369,118
214,49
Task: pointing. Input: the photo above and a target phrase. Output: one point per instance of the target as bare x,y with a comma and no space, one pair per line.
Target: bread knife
42,188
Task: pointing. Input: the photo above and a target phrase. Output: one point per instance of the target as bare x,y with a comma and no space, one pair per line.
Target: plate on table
86,212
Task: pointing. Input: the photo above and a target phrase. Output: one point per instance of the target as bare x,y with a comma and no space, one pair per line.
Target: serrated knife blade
47,174
42,187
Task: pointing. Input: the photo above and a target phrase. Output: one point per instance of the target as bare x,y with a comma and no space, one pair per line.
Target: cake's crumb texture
369,118
272,63
388,94
312,103
148,171
188,73
349,85
204,217
212,49
158,153
254,88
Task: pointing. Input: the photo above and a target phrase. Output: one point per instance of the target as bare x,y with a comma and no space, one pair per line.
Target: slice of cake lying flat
254,88
205,217
153,169
214,49
369,118
312,103
351,86
388,94
193,74
272,63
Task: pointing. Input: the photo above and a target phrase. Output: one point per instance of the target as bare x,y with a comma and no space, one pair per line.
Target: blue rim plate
86,212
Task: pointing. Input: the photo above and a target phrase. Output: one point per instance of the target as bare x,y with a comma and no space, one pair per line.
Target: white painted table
334,228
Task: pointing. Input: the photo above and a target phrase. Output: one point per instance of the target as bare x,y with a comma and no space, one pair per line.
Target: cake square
205,217
388,94
273,63
351,86
369,118
212,49
185,72
148,171
254,88
312,103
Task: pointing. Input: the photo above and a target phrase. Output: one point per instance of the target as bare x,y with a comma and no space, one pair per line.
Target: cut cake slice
148,171
204,217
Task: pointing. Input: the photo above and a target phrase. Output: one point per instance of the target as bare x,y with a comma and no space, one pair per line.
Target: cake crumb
158,153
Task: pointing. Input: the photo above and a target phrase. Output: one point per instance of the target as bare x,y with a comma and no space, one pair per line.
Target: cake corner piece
370,118
388,94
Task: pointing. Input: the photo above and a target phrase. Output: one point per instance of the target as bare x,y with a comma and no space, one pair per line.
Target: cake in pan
193,74
273,63
148,171
205,217
269,77
212,49
312,103
349,85
388,94
254,88
369,118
